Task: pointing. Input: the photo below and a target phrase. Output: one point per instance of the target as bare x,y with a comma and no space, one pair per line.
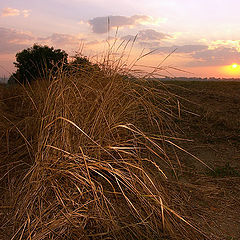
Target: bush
38,62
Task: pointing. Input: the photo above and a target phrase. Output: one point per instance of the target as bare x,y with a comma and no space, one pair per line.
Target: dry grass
79,158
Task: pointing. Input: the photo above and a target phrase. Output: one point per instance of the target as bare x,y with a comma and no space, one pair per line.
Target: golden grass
80,156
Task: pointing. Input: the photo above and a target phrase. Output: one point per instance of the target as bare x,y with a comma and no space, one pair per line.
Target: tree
38,62
82,64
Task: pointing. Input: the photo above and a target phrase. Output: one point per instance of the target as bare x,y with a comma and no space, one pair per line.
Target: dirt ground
214,131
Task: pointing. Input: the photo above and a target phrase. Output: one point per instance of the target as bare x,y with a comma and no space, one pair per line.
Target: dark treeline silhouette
43,62
197,79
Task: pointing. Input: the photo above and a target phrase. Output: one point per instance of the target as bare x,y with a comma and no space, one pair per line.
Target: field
114,158
215,130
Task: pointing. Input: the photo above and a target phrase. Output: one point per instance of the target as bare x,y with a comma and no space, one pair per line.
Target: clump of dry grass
94,139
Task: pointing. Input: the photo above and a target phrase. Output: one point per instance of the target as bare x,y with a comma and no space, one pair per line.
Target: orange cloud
6,12
11,12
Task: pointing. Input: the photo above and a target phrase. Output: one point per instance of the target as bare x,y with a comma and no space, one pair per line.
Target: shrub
38,62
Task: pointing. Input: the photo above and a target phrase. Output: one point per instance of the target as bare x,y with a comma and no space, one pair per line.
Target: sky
202,38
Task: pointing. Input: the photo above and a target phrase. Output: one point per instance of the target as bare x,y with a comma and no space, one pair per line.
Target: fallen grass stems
86,146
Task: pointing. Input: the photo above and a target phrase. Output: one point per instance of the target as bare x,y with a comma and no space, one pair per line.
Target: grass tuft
80,154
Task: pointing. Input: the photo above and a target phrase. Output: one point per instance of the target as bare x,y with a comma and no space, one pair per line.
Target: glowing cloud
224,43
26,13
11,12
6,12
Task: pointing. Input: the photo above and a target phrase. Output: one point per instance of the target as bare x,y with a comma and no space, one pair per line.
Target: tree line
41,62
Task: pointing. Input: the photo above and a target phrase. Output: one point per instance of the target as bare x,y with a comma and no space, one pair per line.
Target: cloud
103,24
148,35
222,43
215,57
154,41
10,12
190,48
26,13
12,40
203,55
61,39
182,49
94,43
6,12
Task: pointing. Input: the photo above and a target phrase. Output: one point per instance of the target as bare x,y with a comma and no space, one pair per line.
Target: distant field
215,118
217,103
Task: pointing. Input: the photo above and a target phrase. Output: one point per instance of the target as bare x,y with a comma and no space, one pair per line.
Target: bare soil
214,131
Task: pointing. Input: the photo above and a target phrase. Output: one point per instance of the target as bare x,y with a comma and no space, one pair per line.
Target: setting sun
232,70
234,66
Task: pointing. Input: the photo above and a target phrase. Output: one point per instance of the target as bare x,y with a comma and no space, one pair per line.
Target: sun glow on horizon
232,70
235,65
